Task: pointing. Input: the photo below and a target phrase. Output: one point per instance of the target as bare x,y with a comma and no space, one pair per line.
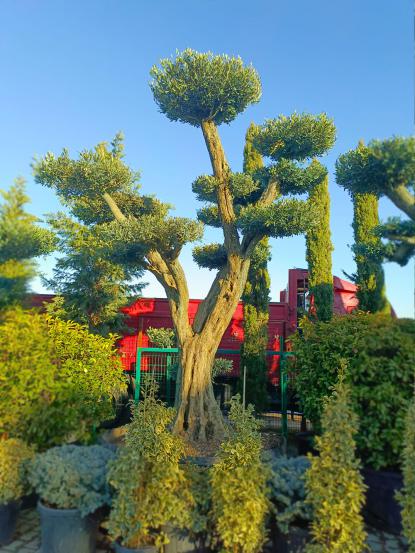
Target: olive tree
205,91
385,168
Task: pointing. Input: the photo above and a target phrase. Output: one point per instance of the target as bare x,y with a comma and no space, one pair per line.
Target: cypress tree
256,303
369,277
319,248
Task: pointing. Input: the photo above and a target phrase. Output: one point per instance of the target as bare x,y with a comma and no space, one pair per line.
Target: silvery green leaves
379,167
285,217
299,136
72,477
96,171
195,87
293,178
210,256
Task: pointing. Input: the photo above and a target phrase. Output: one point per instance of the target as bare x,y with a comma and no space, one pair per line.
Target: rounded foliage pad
299,136
195,87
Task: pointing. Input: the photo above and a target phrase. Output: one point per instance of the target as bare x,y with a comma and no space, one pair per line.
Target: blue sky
75,72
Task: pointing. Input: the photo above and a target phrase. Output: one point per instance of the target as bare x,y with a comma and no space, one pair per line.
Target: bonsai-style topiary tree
21,240
204,91
385,168
319,248
407,495
334,485
93,286
256,303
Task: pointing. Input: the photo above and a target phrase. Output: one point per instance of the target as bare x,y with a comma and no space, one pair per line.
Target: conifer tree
369,277
334,485
205,91
385,168
319,248
92,284
256,303
21,240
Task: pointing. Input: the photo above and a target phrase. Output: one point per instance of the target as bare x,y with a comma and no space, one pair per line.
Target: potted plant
14,455
151,494
71,483
291,511
239,485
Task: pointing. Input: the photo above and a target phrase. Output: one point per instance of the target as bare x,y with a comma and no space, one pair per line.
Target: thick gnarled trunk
198,416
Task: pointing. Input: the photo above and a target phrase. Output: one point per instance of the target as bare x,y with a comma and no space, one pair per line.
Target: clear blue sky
75,72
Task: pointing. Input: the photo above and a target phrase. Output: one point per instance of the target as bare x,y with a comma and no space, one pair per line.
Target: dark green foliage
385,168
256,304
370,277
211,256
195,87
319,248
21,240
380,354
292,178
92,286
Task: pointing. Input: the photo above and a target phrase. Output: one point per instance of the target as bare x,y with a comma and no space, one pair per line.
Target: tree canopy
21,240
385,168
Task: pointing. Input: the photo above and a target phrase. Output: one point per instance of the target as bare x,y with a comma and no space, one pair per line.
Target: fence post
137,376
283,384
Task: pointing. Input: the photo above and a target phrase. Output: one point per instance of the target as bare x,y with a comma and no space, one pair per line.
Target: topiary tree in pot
14,455
291,512
71,483
150,489
239,486
334,485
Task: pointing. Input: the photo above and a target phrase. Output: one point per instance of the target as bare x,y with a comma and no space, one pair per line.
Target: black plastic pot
293,542
179,541
382,510
305,442
145,549
66,531
8,518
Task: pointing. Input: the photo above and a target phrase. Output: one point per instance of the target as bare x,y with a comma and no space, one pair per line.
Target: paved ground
27,539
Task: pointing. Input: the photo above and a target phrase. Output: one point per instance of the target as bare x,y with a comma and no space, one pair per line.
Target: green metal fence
163,364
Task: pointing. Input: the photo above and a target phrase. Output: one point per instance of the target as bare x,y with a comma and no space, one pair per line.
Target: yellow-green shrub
239,486
334,485
56,379
150,486
14,455
407,495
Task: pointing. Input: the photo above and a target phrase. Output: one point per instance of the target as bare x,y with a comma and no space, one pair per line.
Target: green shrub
239,485
334,484
72,477
56,379
150,487
407,496
200,527
162,337
380,355
288,493
14,455
221,367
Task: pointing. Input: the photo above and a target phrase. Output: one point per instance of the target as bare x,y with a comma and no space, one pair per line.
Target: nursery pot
144,549
66,531
8,519
293,542
179,541
382,509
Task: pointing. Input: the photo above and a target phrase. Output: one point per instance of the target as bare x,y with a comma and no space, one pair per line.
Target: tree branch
403,199
222,172
116,211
